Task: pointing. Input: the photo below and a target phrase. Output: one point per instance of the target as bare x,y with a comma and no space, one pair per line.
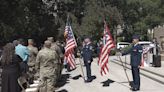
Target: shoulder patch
90,47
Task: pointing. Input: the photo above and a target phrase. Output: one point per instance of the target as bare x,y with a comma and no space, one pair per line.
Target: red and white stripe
70,44
69,49
105,51
145,51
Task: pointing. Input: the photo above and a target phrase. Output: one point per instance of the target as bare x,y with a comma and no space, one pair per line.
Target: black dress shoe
87,81
135,89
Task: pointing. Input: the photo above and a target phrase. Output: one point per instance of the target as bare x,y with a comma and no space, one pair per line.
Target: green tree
94,14
139,15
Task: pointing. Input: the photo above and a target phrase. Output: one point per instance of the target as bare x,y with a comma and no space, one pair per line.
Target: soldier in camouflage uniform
47,59
56,47
32,59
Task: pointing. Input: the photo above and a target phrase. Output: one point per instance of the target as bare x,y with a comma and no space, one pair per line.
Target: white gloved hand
89,61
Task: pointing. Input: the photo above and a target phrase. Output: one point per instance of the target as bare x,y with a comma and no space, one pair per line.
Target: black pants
88,70
136,77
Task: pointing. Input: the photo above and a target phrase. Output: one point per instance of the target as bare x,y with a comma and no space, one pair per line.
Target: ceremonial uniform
135,57
87,57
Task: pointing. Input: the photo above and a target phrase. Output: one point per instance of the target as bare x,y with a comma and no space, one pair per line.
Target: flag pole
71,28
124,70
81,68
68,23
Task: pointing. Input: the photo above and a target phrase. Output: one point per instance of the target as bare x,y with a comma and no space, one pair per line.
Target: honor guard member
47,60
135,55
33,51
87,57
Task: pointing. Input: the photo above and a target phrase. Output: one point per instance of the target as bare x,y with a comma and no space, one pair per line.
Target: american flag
105,50
70,45
146,49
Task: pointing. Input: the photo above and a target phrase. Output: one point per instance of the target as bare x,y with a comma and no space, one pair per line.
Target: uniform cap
136,37
50,38
30,40
47,42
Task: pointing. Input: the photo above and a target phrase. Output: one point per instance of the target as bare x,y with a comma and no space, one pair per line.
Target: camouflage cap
30,40
47,42
50,38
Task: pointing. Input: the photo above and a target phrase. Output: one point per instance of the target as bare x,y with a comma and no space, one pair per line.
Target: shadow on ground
76,77
107,82
64,80
63,90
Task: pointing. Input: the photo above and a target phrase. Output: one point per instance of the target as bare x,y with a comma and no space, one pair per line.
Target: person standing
33,51
47,60
135,55
56,47
22,50
87,57
11,69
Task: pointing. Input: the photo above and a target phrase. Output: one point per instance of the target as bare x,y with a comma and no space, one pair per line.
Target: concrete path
115,81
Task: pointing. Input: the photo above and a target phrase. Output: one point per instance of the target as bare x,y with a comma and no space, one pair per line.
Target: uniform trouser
47,85
136,77
31,73
88,69
68,67
59,70
48,79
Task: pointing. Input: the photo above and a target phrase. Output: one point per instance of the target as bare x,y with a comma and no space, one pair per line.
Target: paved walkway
157,70
115,81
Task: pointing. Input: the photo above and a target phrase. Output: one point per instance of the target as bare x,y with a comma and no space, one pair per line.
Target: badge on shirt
140,51
90,47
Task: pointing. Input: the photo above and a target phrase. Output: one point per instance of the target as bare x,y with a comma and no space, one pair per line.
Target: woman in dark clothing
10,69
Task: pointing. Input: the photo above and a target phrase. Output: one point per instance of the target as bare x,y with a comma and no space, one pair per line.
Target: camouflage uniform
32,59
55,47
47,59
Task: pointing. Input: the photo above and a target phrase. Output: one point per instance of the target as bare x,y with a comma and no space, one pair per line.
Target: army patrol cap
50,39
30,40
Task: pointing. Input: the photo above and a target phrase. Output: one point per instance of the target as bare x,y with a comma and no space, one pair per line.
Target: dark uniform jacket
135,55
87,52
